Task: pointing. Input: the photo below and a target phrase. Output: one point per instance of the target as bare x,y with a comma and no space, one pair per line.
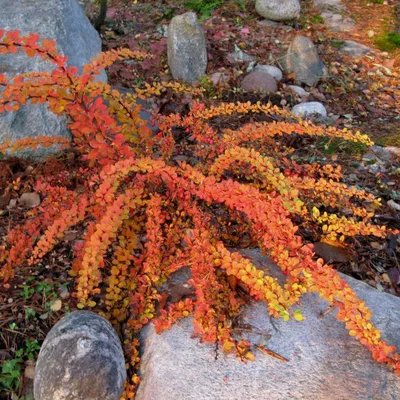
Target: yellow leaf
250,356
297,316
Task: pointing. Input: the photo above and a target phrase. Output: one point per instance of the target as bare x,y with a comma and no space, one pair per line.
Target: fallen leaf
331,253
297,315
394,275
4,200
29,372
56,306
44,316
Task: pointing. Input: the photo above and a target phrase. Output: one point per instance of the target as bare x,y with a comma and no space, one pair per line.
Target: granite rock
303,60
60,20
271,70
298,90
338,22
311,109
278,10
324,361
259,81
80,359
355,49
187,54
240,56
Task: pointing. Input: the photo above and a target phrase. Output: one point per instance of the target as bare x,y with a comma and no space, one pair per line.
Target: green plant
27,292
44,289
241,4
317,19
11,373
31,349
203,7
167,14
13,326
389,41
208,86
30,313
337,43
334,145
378,1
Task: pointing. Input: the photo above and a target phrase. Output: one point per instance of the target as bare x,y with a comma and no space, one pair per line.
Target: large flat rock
60,20
324,361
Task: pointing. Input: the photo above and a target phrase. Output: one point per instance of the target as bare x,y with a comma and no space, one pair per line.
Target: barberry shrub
144,215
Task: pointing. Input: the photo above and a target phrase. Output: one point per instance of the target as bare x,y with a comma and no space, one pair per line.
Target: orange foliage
146,216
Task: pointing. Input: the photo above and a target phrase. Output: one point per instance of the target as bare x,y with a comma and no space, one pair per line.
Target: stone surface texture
259,81
187,54
278,10
298,90
240,56
338,22
60,20
324,361
80,359
388,153
303,60
311,109
271,70
355,49
334,14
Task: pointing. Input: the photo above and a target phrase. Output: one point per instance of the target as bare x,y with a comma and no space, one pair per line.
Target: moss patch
389,41
389,140
330,146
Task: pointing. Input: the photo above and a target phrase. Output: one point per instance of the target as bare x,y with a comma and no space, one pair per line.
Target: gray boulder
388,154
60,20
259,81
271,70
337,22
311,109
80,359
355,49
324,361
303,60
334,14
278,10
187,54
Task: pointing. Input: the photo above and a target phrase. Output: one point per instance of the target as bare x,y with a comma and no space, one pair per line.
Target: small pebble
394,205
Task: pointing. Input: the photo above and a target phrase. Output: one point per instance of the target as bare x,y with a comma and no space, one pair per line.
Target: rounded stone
278,10
80,359
311,109
270,69
259,81
298,90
